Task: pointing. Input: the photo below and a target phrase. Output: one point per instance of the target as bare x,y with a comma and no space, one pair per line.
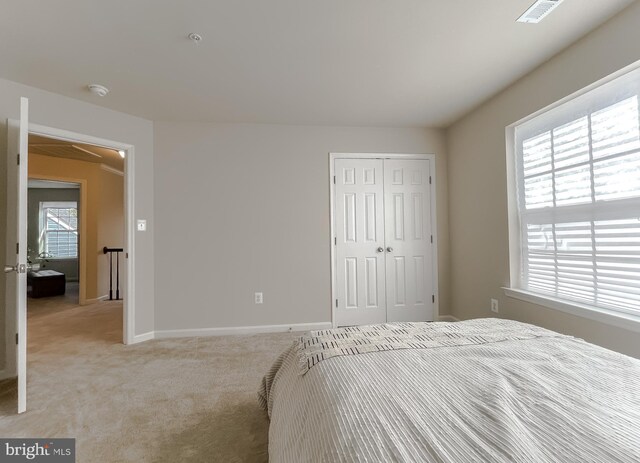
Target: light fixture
538,11
121,153
97,89
195,38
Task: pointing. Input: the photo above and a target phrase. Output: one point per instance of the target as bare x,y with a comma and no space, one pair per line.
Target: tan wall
110,227
478,185
104,209
244,208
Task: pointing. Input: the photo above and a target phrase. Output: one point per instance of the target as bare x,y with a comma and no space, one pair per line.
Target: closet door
359,229
408,248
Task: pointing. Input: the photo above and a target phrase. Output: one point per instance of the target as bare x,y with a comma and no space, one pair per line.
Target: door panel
409,274
359,228
16,255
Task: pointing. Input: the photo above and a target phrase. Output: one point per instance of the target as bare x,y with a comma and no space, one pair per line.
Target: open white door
16,255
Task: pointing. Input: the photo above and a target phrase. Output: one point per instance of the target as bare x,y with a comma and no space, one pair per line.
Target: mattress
534,398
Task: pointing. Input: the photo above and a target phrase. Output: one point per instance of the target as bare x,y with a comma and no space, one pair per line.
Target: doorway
75,210
384,240
99,169
18,134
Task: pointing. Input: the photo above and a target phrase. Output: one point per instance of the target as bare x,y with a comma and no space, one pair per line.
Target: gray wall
54,110
37,195
245,208
478,182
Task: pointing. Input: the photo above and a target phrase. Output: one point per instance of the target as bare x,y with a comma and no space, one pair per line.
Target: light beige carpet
179,400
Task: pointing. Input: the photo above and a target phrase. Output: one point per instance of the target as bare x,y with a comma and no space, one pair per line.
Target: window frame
42,232
576,107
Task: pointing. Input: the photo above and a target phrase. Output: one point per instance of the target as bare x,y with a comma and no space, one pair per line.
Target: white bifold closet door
383,241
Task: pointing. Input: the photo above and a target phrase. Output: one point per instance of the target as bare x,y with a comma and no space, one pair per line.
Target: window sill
627,322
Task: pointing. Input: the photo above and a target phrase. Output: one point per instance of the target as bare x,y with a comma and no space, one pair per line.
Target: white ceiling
327,62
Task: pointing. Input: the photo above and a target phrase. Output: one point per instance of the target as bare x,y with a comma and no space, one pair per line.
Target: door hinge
433,298
17,248
18,158
126,255
334,179
16,338
431,239
335,241
336,303
429,179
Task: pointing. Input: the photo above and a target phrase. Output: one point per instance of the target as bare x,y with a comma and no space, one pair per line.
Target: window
59,229
577,196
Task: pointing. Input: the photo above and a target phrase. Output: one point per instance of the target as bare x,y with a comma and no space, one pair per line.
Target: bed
485,390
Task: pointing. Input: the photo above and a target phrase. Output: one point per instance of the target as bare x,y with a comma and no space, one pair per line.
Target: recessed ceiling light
195,38
538,11
121,153
99,90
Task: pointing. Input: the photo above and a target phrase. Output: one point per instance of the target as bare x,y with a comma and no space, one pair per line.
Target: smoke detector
195,38
538,11
98,90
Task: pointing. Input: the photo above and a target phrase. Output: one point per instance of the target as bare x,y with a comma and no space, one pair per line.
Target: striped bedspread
316,346
543,398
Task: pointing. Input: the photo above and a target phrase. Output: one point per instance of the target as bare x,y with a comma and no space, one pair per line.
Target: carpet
177,400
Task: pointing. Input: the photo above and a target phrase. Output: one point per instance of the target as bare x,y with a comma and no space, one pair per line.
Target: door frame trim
128,306
434,223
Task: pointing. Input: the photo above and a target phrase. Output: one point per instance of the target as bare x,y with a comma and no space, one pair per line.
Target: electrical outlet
494,305
259,299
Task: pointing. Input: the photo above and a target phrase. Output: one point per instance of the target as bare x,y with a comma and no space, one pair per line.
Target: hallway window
59,229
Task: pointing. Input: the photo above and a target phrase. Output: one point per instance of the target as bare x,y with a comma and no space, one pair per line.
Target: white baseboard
143,337
93,301
163,334
234,330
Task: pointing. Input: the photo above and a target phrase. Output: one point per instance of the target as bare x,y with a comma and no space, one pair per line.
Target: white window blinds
578,187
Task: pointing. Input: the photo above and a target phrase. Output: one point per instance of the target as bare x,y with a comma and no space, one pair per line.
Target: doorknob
18,268
389,249
380,249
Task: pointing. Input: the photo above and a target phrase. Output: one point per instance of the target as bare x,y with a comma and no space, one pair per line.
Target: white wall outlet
259,299
494,305
142,225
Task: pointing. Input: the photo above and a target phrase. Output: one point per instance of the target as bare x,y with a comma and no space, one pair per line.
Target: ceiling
78,151
330,62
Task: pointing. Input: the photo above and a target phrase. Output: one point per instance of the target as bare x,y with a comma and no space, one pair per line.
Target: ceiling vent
538,11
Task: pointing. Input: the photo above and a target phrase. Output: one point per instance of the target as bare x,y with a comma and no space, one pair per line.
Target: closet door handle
389,249
380,249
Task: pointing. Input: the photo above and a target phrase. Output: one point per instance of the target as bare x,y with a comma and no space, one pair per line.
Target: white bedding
544,399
